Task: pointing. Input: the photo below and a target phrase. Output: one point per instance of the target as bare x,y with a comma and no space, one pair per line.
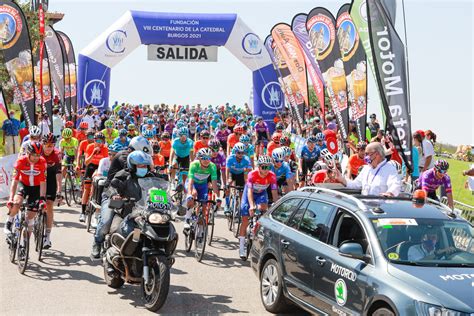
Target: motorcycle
142,253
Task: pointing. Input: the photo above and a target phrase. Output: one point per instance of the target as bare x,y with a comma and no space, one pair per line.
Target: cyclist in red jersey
29,180
81,134
53,182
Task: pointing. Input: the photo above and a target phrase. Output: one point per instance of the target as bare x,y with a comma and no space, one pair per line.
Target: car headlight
426,309
157,218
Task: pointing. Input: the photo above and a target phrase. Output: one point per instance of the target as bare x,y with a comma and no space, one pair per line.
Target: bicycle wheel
12,244
201,236
230,207
76,194
23,248
40,233
68,186
211,224
237,220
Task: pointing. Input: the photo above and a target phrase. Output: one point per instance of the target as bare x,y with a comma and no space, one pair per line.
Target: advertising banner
182,53
71,61
3,110
391,73
355,67
47,106
299,29
322,33
293,56
67,92
6,169
16,48
56,64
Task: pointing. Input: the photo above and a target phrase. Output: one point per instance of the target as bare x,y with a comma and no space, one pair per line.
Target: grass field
457,181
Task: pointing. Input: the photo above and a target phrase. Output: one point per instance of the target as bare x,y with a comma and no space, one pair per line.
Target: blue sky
440,51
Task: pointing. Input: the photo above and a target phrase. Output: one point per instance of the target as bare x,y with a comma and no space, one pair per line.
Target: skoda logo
94,93
272,95
251,44
116,41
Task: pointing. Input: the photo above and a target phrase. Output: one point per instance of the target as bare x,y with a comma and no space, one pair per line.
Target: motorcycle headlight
157,218
426,309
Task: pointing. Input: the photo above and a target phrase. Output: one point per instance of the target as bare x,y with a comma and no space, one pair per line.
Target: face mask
367,160
141,172
429,244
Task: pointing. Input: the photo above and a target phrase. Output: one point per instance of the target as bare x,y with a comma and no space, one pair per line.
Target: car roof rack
358,202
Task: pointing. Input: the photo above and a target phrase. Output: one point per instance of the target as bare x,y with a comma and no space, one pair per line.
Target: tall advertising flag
43,81
389,57
355,67
56,64
71,60
16,49
298,26
322,33
292,55
67,92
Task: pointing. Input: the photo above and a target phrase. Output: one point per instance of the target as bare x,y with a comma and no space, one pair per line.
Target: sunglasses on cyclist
278,161
442,171
266,167
206,158
205,137
239,152
99,141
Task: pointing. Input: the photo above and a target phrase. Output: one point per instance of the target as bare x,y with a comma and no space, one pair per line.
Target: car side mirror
353,250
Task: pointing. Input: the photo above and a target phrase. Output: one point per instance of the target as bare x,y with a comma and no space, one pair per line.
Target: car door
342,281
299,243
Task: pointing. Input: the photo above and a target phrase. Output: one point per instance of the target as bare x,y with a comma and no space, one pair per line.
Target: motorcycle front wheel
156,292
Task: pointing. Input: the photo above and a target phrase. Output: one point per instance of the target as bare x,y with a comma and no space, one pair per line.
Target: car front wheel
271,288
383,312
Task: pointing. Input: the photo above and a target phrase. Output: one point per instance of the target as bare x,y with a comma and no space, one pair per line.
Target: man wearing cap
11,138
373,125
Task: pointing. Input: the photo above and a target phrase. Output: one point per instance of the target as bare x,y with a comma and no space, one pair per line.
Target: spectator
430,136
58,123
427,152
356,161
373,125
11,134
43,124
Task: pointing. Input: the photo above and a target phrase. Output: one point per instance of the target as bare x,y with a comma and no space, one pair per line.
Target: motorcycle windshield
149,185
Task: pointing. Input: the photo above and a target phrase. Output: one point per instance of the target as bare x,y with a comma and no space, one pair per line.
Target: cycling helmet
34,148
69,124
216,116
222,125
397,165
259,118
278,155
123,132
90,133
109,124
264,160
276,137
138,157
99,135
279,126
150,121
183,131
204,153
165,135
49,139
286,150
312,139
180,124
239,147
84,125
214,144
285,140
320,137
131,127
327,157
204,133
148,133
67,133
154,117
120,122
35,131
112,118
441,165
140,143
201,122
319,165
244,139
361,145
114,147
238,129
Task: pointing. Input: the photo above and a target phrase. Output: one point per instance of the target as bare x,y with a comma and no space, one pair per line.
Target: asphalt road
67,281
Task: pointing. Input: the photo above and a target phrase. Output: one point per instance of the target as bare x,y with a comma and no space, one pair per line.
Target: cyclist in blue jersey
309,155
215,122
123,140
237,167
320,141
249,148
282,170
201,126
181,152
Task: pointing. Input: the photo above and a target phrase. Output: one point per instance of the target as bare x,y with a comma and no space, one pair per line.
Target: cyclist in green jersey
68,146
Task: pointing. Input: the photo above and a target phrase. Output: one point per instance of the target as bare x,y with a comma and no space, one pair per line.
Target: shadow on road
48,273
181,300
67,224
224,243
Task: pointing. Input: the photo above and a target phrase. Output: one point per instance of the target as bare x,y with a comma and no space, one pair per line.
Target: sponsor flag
3,109
291,54
56,64
322,33
71,60
388,53
67,93
284,77
43,78
298,26
355,67
16,48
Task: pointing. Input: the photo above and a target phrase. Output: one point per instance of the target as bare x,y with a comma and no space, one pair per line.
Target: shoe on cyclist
82,218
46,243
7,229
187,224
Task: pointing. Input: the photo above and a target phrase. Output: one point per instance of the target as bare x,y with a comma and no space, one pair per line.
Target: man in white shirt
89,119
376,178
427,150
58,123
426,249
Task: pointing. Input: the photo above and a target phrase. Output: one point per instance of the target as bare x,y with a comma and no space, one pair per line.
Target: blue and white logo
116,41
272,96
94,93
251,44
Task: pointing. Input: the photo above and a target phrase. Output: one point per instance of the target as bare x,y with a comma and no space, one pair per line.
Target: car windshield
427,242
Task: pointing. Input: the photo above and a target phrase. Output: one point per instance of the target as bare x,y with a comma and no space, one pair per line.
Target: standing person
427,152
58,123
373,125
356,161
43,124
89,119
11,134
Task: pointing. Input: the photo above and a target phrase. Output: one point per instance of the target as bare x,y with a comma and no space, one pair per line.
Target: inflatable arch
136,28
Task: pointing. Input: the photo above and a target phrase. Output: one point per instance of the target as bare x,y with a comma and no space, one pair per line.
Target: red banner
41,20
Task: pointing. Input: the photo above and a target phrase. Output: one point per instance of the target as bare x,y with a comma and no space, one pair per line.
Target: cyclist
53,182
33,136
122,140
203,142
181,152
94,153
433,178
158,159
81,151
274,143
132,132
309,155
234,138
201,126
222,134
282,170
218,158
81,134
249,148
215,122
68,146
148,134
29,181
231,121
199,172
255,195
237,168
110,132
320,139
150,125
104,163
356,161
165,146
263,135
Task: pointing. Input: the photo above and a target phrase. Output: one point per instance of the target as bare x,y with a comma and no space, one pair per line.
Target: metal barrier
467,211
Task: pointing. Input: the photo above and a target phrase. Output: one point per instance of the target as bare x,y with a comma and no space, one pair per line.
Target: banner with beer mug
355,67
67,90
70,59
47,106
56,63
322,33
16,47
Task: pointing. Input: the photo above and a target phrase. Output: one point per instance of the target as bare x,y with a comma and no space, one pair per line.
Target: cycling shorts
239,179
258,198
202,190
31,192
262,137
307,165
51,188
90,169
68,160
183,162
